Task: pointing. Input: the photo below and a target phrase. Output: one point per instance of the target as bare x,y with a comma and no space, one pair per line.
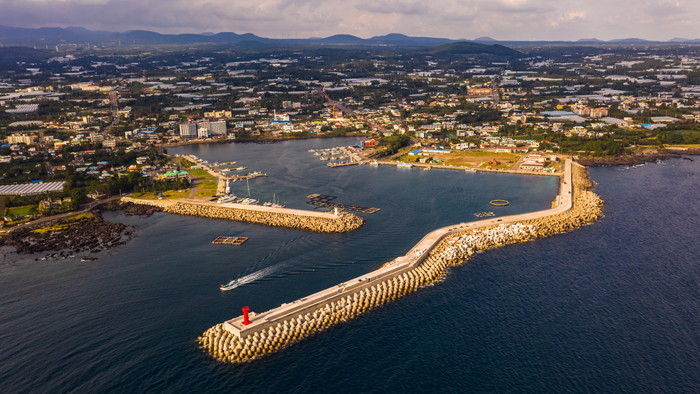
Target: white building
211,129
20,139
188,130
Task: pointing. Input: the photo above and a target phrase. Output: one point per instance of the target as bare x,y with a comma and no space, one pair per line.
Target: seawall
427,262
272,216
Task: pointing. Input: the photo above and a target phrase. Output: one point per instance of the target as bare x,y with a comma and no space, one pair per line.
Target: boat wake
257,275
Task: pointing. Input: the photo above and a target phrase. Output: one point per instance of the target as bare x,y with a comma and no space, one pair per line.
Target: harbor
252,335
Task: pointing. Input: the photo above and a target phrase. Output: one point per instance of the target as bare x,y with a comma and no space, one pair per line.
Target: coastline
638,158
427,262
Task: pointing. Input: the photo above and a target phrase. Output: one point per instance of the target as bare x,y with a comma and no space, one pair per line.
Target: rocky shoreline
638,158
130,208
86,233
454,249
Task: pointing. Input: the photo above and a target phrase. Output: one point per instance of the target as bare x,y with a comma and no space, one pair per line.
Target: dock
351,163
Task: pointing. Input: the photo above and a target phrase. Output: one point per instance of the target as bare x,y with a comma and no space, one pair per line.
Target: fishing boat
230,285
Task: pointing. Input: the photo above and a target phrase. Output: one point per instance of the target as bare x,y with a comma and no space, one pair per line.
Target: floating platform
226,240
499,203
352,163
322,200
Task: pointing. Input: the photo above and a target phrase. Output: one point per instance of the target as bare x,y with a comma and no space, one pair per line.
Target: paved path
259,208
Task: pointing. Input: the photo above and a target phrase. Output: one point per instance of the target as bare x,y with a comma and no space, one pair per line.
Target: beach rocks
86,232
131,209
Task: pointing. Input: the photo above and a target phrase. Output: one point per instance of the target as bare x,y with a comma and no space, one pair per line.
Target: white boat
225,199
404,165
230,285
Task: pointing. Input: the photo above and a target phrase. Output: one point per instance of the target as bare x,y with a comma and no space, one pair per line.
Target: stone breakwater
278,217
281,327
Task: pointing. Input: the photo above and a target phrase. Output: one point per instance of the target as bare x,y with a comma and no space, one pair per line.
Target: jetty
324,222
252,336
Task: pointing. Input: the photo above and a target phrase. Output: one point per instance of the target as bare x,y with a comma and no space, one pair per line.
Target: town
83,123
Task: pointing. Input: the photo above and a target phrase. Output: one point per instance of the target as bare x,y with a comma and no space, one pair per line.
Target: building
479,91
598,113
218,114
188,130
21,139
211,129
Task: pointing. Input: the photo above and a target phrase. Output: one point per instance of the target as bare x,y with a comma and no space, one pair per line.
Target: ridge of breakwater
323,222
427,262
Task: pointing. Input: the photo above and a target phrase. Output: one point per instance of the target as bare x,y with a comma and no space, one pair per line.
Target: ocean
614,306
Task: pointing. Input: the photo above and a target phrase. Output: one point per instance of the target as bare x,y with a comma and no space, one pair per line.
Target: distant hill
590,41
404,40
472,48
630,41
485,40
51,36
342,39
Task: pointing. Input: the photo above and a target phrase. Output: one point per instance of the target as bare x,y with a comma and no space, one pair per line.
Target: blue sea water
614,306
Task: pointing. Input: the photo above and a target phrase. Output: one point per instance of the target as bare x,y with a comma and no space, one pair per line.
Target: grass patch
25,210
472,159
63,223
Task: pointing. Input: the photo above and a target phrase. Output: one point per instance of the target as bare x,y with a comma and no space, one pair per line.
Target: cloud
502,19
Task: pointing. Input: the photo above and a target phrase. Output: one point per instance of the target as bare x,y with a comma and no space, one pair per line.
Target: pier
324,222
241,339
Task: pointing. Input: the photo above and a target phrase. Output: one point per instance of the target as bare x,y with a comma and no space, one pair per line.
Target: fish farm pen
322,200
225,240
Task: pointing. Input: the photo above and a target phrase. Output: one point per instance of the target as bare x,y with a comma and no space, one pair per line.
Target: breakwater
323,222
238,340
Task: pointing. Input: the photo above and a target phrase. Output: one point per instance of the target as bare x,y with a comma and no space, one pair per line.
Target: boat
88,259
225,199
427,168
404,165
374,163
469,170
230,285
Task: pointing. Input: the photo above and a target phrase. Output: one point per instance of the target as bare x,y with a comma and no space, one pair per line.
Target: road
83,209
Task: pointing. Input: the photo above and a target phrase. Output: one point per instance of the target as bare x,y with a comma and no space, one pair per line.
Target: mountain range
50,36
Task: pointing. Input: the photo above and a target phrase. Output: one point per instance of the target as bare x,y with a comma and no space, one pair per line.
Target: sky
469,19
